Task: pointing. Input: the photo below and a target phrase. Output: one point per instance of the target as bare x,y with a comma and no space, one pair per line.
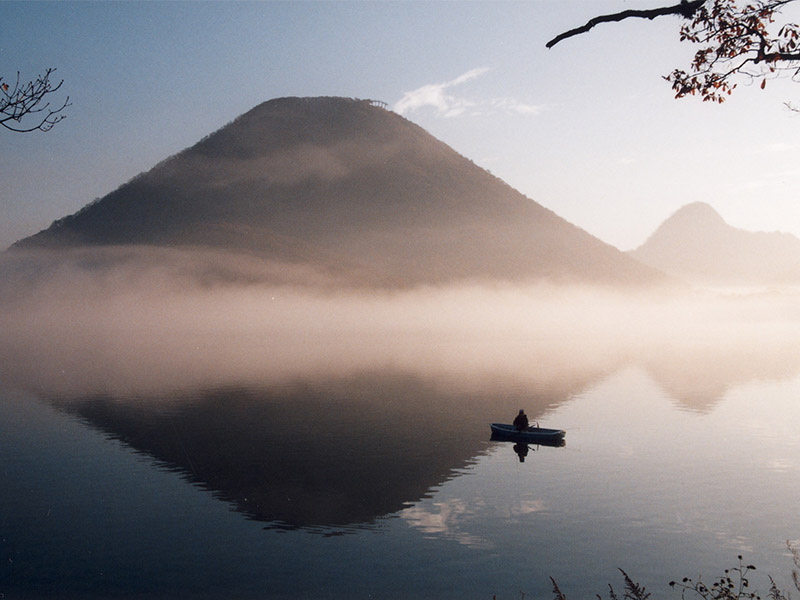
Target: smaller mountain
697,245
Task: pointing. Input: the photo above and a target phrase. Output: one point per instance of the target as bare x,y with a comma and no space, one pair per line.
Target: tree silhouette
24,106
737,42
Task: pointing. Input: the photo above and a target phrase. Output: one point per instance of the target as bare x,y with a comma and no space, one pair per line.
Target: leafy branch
736,41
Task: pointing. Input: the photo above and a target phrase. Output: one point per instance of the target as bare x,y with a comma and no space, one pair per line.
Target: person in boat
521,421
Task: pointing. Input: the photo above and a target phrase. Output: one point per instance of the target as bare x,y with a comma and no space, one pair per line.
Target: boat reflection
522,448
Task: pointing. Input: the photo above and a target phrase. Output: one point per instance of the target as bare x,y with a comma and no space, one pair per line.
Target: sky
588,129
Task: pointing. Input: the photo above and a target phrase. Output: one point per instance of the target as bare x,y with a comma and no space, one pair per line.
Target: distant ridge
350,188
697,245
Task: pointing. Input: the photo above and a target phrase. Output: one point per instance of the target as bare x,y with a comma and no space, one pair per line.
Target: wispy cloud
445,103
512,105
436,95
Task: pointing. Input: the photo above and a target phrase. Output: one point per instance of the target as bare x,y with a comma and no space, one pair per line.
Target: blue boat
531,435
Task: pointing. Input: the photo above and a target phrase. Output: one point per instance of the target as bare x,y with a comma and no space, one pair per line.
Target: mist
157,322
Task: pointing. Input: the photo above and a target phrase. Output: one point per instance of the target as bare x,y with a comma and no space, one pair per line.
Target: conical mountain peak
344,186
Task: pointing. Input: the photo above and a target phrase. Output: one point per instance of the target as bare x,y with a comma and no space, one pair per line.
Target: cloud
512,105
448,519
439,97
469,75
434,95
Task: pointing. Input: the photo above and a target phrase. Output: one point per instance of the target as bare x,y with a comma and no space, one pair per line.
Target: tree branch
685,9
777,56
28,102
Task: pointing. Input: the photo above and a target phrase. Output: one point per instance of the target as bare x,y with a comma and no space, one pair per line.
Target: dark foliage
734,584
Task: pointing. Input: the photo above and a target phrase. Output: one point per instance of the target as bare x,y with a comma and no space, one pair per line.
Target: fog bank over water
152,322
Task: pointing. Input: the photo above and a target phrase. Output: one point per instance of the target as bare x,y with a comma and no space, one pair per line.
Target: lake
355,461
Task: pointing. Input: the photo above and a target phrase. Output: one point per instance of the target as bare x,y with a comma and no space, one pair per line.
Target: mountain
387,441
349,188
697,245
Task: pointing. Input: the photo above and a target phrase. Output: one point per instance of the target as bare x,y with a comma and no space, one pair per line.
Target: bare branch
27,101
685,9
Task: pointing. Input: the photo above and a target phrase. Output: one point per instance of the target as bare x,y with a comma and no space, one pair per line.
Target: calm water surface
386,485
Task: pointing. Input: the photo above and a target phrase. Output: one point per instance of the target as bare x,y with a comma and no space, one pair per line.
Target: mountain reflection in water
334,453
312,410
322,454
